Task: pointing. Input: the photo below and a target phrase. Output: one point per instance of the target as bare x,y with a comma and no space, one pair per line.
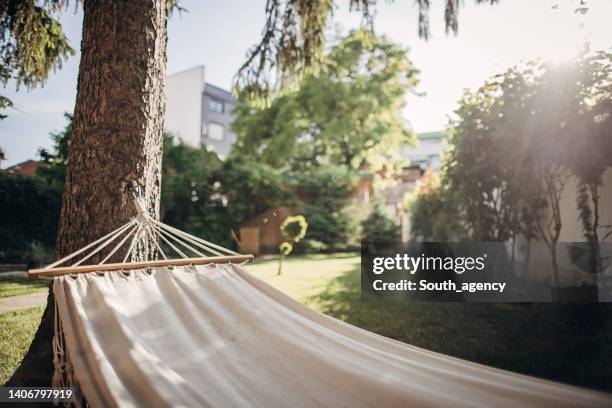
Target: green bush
294,228
379,227
310,246
190,199
434,213
39,254
285,248
251,188
355,214
323,194
29,216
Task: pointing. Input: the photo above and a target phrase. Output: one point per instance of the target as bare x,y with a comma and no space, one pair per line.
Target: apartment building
199,113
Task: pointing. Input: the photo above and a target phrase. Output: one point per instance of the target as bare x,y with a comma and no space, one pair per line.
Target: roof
440,134
427,150
219,93
209,89
272,216
26,168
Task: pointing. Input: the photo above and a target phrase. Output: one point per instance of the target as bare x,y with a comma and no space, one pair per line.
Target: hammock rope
170,243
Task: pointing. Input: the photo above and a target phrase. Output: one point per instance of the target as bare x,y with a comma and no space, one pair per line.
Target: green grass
305,276
16,332
20,285
562,343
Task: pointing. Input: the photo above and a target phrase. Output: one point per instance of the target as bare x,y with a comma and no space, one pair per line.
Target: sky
217,34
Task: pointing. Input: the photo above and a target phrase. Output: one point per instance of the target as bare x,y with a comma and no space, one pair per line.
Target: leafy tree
293,229
190,198
348,114
571,105
323,194
53,162
251,188
433,213
267,135
548,218
592,124
379,227
500,163
513,149
488,150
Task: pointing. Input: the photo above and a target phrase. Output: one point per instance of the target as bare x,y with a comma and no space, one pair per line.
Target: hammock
213,335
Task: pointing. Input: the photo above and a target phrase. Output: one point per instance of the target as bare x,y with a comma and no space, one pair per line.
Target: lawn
304,277
16,332
20,285
561,343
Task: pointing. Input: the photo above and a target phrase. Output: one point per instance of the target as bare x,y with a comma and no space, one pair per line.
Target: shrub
285,249
29,217
251,188
293,229
435,213
379,227
310,246
323,194
39,254
189,197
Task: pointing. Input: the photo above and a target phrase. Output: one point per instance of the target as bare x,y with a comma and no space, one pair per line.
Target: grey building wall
427,153
217,106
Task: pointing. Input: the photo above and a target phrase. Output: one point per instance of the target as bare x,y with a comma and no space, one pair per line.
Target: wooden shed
261,234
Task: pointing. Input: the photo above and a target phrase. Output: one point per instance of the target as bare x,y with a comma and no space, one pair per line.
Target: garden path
12,303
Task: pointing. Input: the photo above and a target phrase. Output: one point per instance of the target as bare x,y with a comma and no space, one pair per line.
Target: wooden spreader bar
118,267
128,234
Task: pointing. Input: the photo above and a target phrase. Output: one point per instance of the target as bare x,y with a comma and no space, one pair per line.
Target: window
428,141
215,131
215,106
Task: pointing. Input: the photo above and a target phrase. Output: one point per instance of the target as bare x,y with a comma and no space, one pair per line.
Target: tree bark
118,124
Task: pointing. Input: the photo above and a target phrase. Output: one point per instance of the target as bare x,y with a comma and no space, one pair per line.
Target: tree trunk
555,265
280,264
596,261
118,124
527,259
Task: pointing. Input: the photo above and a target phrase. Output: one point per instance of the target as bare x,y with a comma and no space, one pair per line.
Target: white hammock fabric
216,336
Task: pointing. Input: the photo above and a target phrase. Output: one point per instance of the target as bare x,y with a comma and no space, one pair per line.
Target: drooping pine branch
293,40
32,42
